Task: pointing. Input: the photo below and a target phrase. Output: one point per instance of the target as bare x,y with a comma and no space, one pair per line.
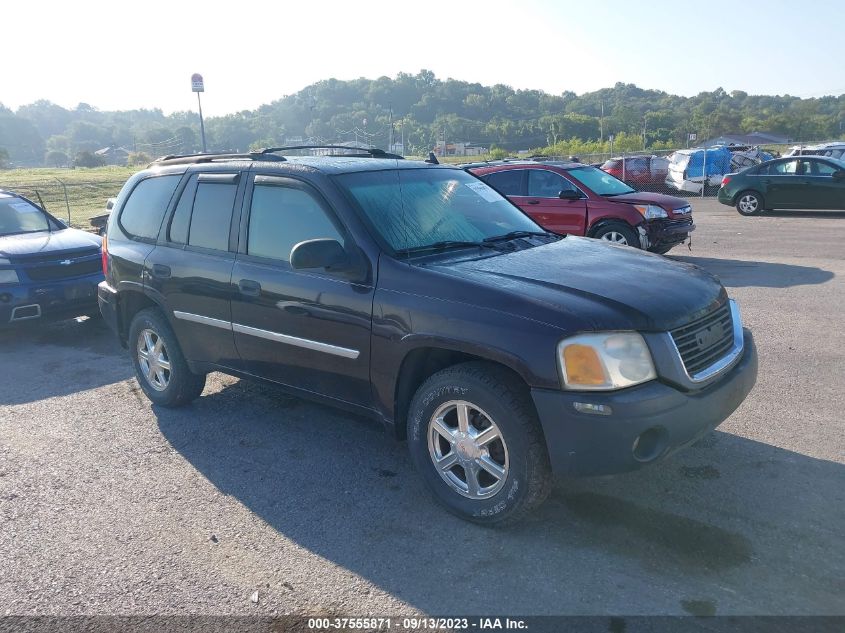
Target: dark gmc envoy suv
418,295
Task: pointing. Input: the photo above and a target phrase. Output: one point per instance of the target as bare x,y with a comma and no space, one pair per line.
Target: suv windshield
415,209
19,216
600,182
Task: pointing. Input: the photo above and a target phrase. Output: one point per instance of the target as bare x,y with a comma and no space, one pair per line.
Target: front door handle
160,271
533,202
249,287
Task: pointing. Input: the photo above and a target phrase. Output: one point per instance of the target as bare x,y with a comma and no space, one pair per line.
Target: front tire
618,233
475,440
160,366
749,203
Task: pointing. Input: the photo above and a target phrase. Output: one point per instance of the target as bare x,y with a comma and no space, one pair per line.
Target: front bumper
48,300
648,422
664,232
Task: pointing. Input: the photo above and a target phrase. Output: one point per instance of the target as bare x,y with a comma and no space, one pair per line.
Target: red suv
643,172
576,199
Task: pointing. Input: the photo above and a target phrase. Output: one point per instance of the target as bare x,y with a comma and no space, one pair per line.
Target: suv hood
61,242
594,285
643,197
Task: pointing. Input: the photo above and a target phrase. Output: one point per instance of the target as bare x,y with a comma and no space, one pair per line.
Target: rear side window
508,183
142,214
212,216
281,217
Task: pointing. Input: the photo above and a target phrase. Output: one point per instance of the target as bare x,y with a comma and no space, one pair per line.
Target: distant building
755,138
113,155
459,149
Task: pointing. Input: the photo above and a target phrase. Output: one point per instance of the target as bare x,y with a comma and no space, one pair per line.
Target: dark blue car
47,270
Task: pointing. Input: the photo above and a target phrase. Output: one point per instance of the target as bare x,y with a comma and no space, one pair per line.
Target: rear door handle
160,271
533,202
249,287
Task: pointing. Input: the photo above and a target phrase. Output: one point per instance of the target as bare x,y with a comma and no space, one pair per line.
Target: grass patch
81,192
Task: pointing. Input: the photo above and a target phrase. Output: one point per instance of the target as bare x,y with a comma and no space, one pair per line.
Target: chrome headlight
651,211
8,275
604,361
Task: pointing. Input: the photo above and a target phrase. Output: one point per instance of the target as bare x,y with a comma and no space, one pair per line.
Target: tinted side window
508,183
178,230
281,217
142,214
546,184
212,216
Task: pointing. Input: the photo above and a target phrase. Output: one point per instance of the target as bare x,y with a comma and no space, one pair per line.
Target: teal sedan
795,182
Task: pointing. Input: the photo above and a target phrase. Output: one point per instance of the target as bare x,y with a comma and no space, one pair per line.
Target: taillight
105,255
725,180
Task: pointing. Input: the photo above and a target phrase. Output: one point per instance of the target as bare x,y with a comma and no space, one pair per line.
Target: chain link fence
685,172
74,202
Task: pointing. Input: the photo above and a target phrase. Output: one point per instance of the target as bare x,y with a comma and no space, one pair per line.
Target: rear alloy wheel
749,203
476,441
618,233
160,367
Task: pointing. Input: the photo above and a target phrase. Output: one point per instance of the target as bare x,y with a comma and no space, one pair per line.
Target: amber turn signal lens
583,366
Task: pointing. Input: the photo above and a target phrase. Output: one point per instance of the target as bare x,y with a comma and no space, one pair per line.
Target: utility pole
601,124
645,124
390,138
198,87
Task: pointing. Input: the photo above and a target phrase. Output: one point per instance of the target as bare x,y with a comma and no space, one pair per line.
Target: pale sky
118,55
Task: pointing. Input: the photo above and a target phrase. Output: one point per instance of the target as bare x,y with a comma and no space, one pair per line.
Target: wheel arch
132,301
421,363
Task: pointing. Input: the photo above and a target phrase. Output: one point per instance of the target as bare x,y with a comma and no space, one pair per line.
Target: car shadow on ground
56,359
802,214
735,273
729,525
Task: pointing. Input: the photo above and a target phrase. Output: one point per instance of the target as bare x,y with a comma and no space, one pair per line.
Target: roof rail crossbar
362,151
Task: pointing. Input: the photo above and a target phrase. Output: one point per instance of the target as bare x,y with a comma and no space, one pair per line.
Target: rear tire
749,203
160,366
618,233
503,475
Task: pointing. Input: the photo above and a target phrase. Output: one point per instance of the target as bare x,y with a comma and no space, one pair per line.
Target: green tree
86,158
56,158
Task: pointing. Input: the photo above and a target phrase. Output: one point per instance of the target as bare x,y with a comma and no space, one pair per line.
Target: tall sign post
198,87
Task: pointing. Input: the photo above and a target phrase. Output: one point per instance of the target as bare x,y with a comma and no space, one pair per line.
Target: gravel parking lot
111,506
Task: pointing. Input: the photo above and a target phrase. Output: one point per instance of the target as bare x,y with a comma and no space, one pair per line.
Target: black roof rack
270,154
361,152
190,159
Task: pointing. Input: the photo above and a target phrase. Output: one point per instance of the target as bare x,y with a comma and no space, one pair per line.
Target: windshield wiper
438,246
516,234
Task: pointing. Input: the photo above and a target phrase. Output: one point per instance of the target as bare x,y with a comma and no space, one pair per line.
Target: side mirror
320,253
109,204
839,175
569,194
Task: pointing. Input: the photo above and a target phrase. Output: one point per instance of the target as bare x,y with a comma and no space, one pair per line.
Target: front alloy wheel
467,449
476,441
615,237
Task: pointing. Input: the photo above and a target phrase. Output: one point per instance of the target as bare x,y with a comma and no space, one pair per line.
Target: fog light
595,409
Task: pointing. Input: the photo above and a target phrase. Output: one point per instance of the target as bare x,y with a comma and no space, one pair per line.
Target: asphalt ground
111,506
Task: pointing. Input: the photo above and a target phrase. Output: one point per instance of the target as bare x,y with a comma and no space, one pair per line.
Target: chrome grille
705,341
